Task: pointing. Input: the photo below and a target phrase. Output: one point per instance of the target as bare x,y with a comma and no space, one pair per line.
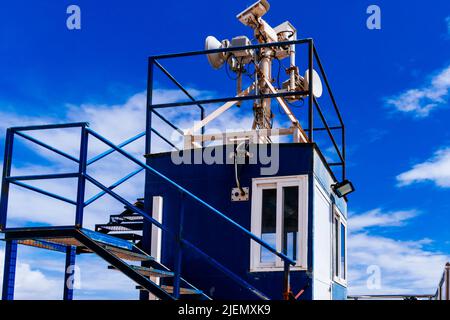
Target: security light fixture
343,188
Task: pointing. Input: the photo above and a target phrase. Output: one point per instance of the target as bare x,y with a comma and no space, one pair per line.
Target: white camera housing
250,15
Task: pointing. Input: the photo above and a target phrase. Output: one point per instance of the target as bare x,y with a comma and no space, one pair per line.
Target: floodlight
343,188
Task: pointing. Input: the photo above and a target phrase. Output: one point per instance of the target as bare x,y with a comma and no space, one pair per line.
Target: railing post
344,173
148,198
81,177
202,116
7,163
178,250
9,272
286,281
148,124
447,281
310,90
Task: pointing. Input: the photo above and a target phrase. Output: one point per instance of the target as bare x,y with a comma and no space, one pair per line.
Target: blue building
257,214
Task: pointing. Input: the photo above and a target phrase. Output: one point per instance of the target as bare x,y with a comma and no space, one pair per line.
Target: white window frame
259,184
337,215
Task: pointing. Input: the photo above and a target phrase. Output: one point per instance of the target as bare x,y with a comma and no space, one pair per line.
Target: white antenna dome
216,60
317,83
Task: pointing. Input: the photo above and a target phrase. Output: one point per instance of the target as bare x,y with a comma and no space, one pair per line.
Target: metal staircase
119,253
127,225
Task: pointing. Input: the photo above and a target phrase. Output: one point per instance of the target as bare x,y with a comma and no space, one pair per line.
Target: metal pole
7,163
447,281
310,90
81,177
178,250
148,199
69,274
344,173
148,124
9,272
202,116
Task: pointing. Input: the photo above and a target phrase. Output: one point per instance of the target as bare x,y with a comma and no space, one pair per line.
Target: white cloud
421,101
436,169
377,218
32,283
40,275
407,267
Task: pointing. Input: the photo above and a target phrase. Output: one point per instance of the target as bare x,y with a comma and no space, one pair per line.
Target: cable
236,174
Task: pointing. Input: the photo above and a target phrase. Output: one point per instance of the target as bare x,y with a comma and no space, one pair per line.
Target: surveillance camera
250,15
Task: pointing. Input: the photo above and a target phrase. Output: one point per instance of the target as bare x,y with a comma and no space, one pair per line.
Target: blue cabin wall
213,183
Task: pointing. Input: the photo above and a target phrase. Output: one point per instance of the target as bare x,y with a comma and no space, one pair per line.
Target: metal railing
443,290
313,104
80,203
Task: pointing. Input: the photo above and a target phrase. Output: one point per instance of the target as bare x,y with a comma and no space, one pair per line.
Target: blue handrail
83,176
192,196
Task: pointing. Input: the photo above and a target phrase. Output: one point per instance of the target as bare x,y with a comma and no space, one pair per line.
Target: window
279,217
339,247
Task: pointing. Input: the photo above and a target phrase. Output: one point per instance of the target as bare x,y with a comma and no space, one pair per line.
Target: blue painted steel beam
121,145
81,188
69,273
9,272
113,186
51,126
7,163
44,177
46,146
46,193
230,49
178,249
147,227
237,98
190,194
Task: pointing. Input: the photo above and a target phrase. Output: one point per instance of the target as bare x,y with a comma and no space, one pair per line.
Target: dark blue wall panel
213,183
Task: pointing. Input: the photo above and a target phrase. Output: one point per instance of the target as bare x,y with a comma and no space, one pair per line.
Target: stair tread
120,217
120,227
126,254
169,289
149,272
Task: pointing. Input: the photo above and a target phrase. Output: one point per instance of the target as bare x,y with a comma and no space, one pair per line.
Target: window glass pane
336,247
343,275
268,223
290,221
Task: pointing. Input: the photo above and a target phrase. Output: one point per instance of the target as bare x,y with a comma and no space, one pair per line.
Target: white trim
337,215
260,184
156,243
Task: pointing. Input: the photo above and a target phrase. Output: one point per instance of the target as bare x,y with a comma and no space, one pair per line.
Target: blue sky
391,85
